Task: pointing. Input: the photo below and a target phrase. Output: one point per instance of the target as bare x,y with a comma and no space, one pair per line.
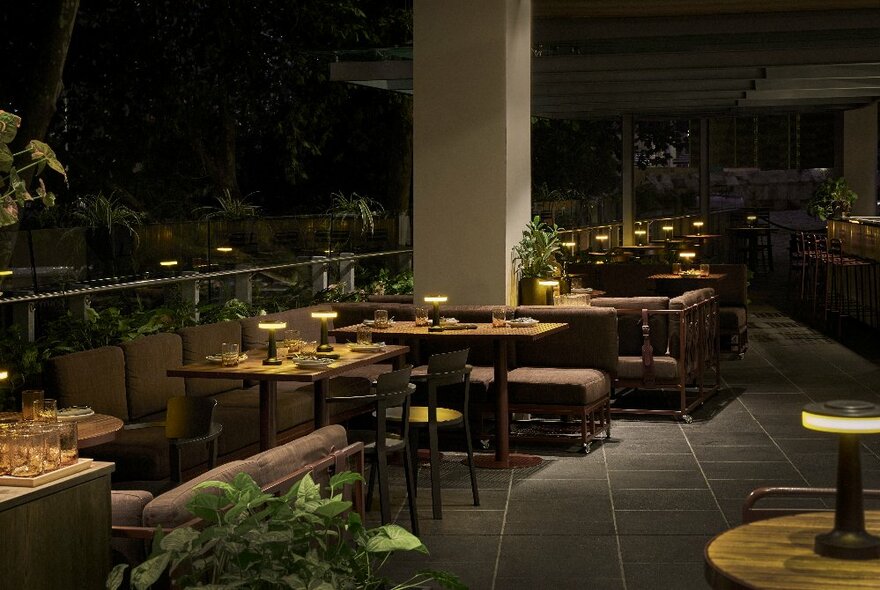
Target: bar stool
850,279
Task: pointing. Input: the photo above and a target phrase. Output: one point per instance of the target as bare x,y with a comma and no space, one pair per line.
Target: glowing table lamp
698,225
224,249
168,263
687,257
272,357
549,286
4,375
5,273
602,239
751,219
667,230
848,418
324,316
436,300
640,236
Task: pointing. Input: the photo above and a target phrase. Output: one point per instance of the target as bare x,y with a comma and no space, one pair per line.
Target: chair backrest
189,417
393,390
750,513
447,368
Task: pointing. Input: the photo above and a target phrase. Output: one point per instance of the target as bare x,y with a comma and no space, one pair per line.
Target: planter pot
531,292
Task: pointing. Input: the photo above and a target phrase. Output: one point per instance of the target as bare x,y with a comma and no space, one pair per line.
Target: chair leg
174,463
212,454
371,483
411,490
435,470
414,458
470,454
381,466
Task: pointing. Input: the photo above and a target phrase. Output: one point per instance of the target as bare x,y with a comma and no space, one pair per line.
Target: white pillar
860,157
627,136
471,146
346,272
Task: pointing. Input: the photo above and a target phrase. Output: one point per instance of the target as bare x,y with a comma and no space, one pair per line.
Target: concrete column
860,157
704,172
319,274
471,146
627,136
78,306
189,293
244,288
346,272
24,316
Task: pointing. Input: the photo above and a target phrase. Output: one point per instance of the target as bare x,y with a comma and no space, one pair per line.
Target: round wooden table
777,554
91,431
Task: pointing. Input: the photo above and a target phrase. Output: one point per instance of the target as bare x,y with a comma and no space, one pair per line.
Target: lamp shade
698,224
5,273
687,255
224,249
324,315
667,228
4,375
569,244
549,283
272,325
842,417
168,263
436,299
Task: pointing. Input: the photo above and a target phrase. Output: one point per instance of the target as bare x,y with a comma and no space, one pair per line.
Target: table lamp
751,219
698,225
436,300
602,239
848,418
324,316
640,236
549,286
4,375
667,231
224,249
168,263
5,273
272,357
687,257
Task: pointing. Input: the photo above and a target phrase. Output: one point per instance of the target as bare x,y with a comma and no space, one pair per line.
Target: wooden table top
702,236
777,554
753,228
672,277
93,430
484,331
253,368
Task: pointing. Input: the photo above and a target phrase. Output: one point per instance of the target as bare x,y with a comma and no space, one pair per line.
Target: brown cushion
201,341
733,289
127,506
169,509
146,361
297,319
481,351
626,280
281,461
554,386
629,324
93,378
295,406
632,367
732,319
481,379
589,342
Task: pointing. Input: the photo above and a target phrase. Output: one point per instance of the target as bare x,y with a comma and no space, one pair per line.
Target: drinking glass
229,354
676,268
67,440
51,447
421,316
704,270
364,335
6,438
28,397
309,349
46,410
28,446
499,317
380,318
290,338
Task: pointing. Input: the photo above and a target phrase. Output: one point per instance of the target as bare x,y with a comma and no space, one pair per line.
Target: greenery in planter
233,309
24,362
231,208
534,256
260,541
385,283
831,199
103,213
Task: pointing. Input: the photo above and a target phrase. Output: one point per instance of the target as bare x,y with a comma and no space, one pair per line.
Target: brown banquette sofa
129,382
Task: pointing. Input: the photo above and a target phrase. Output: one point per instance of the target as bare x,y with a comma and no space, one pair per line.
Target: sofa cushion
555,386
629,324
297,319
732,319
169,509
632,367
201,341
94,378
279,462
589,342
626,280
127,506
146,361
295,407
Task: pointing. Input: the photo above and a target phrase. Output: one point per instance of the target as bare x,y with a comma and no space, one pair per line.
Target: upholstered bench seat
632,367
550,386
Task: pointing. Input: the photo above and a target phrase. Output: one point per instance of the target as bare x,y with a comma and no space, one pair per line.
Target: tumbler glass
364,335
67,439
704,270
6,439
28,397
46,410
28,448
676,268
380,318
421,315
229,354
499,317
52,447
309,349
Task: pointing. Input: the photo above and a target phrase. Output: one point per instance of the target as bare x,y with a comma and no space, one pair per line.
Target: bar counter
860,236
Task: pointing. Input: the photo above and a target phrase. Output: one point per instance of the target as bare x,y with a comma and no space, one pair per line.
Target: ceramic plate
374,347
75,413
371,322
216,358
522,322
312,363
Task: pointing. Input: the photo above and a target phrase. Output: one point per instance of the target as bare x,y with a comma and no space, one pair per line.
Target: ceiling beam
817,83
654,8
811,93
826,70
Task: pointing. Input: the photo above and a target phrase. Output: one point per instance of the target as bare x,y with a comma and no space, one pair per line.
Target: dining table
268,376
669,284
91,430
777,553
501,338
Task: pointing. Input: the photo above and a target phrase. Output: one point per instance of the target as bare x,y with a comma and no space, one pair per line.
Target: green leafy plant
833,198
385,283
337,292
100,212
22,359
534,255
233,309
13,188
231,208
354,205
260,541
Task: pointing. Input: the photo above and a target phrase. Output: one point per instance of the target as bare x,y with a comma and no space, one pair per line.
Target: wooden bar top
482,331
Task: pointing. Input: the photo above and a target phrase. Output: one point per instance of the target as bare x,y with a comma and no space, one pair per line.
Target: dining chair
190,421
750,513
444,370
391,392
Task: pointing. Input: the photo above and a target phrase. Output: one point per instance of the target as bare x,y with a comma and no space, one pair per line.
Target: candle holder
436,300
550,287
325,345
272,356
848,418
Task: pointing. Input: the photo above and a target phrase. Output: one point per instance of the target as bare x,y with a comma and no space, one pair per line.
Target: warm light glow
324,314
751,218
436,299
640,232
4,375
549,283
224,249
687,255
840,425
5,273
667,228
602,238
698,224
272,325
168,263
569,244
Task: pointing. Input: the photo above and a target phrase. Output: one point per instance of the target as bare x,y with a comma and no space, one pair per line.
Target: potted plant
832,199
256,540
534,257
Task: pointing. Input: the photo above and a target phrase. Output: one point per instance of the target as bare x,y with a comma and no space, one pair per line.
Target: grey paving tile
663,500
550,489
540,579
590,466
663,548
657,480
459,548
739,489
748,469
562,556
458,522
724,453
742,439
686,576
633,447
561,522
670,522
655,462
803,444
473,575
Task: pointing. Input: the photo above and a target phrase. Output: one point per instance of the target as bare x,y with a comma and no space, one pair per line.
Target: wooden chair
751,514
190,421
392,392
444,369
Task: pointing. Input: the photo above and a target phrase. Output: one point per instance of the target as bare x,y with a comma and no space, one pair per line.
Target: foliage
234,309
21,358
831,199
362,208
231,208
261,541
13,187
337,293
387,284
535,253
106,213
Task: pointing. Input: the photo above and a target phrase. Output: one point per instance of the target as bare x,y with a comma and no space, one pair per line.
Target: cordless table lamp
325,345
272,357
549,286
849,419
436,300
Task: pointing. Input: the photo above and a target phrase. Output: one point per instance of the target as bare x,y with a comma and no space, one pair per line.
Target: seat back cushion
297,319
201,341
146,361
94,378
629,324
169,509
626,280
279,462
733,289
589,342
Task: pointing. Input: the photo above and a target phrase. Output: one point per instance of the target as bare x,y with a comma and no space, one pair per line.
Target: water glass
676,268
364,335
52,447
67,440
309,349
6,440
28,447
45,410
229,354
28,397
380,318
499,317
290,338
704,270
421,315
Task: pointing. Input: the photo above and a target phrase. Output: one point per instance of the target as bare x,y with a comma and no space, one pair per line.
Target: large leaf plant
36,156
534,255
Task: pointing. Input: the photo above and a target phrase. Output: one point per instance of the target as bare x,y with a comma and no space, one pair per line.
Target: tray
44,478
